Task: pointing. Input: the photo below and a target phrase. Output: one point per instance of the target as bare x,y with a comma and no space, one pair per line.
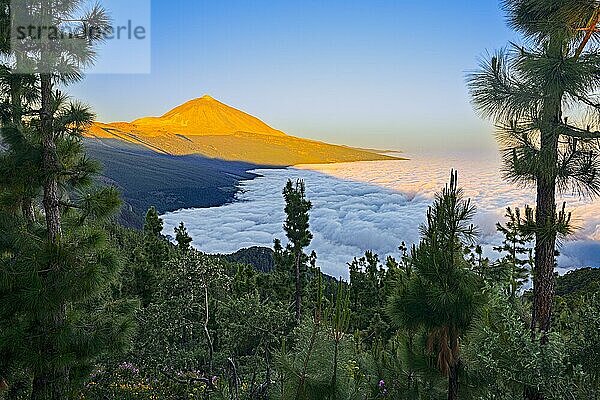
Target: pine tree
367,297
312,369
153,224
182,238
55,306
527,91
156,247
56,273
296,227
440,295
517,237
156,252
338,317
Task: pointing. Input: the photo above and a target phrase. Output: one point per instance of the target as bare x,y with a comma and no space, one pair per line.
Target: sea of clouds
375,206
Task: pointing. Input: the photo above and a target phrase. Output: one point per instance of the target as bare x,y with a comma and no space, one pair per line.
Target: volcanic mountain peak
208,127
196,105
207,116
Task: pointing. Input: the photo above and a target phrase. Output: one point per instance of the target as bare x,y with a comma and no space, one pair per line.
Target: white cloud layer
374,206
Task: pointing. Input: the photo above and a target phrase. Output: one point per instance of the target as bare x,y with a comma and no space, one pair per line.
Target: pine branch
586,101
574,132
590,30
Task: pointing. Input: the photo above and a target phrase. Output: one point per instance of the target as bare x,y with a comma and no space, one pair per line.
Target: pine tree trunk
50,162
46,386
453,381
52,382
298,300
336,351
533,394
545,218
27,209
545,247
543,272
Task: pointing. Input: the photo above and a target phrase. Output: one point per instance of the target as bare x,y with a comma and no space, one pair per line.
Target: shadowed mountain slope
167,182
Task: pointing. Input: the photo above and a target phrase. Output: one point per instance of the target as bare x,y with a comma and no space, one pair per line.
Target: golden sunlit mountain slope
208,127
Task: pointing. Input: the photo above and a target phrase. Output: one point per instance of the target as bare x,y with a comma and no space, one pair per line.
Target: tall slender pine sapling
441,294
296,227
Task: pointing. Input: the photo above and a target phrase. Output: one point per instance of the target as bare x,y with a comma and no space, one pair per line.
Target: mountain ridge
208,127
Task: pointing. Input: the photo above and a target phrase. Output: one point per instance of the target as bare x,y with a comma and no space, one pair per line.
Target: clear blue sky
367,73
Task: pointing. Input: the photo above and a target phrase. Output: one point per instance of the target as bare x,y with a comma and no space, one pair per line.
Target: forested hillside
211,327
146,178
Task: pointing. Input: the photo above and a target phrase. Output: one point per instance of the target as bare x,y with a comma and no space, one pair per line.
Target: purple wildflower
127,366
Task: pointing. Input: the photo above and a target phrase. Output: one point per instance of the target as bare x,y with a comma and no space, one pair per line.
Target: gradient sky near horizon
377,73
